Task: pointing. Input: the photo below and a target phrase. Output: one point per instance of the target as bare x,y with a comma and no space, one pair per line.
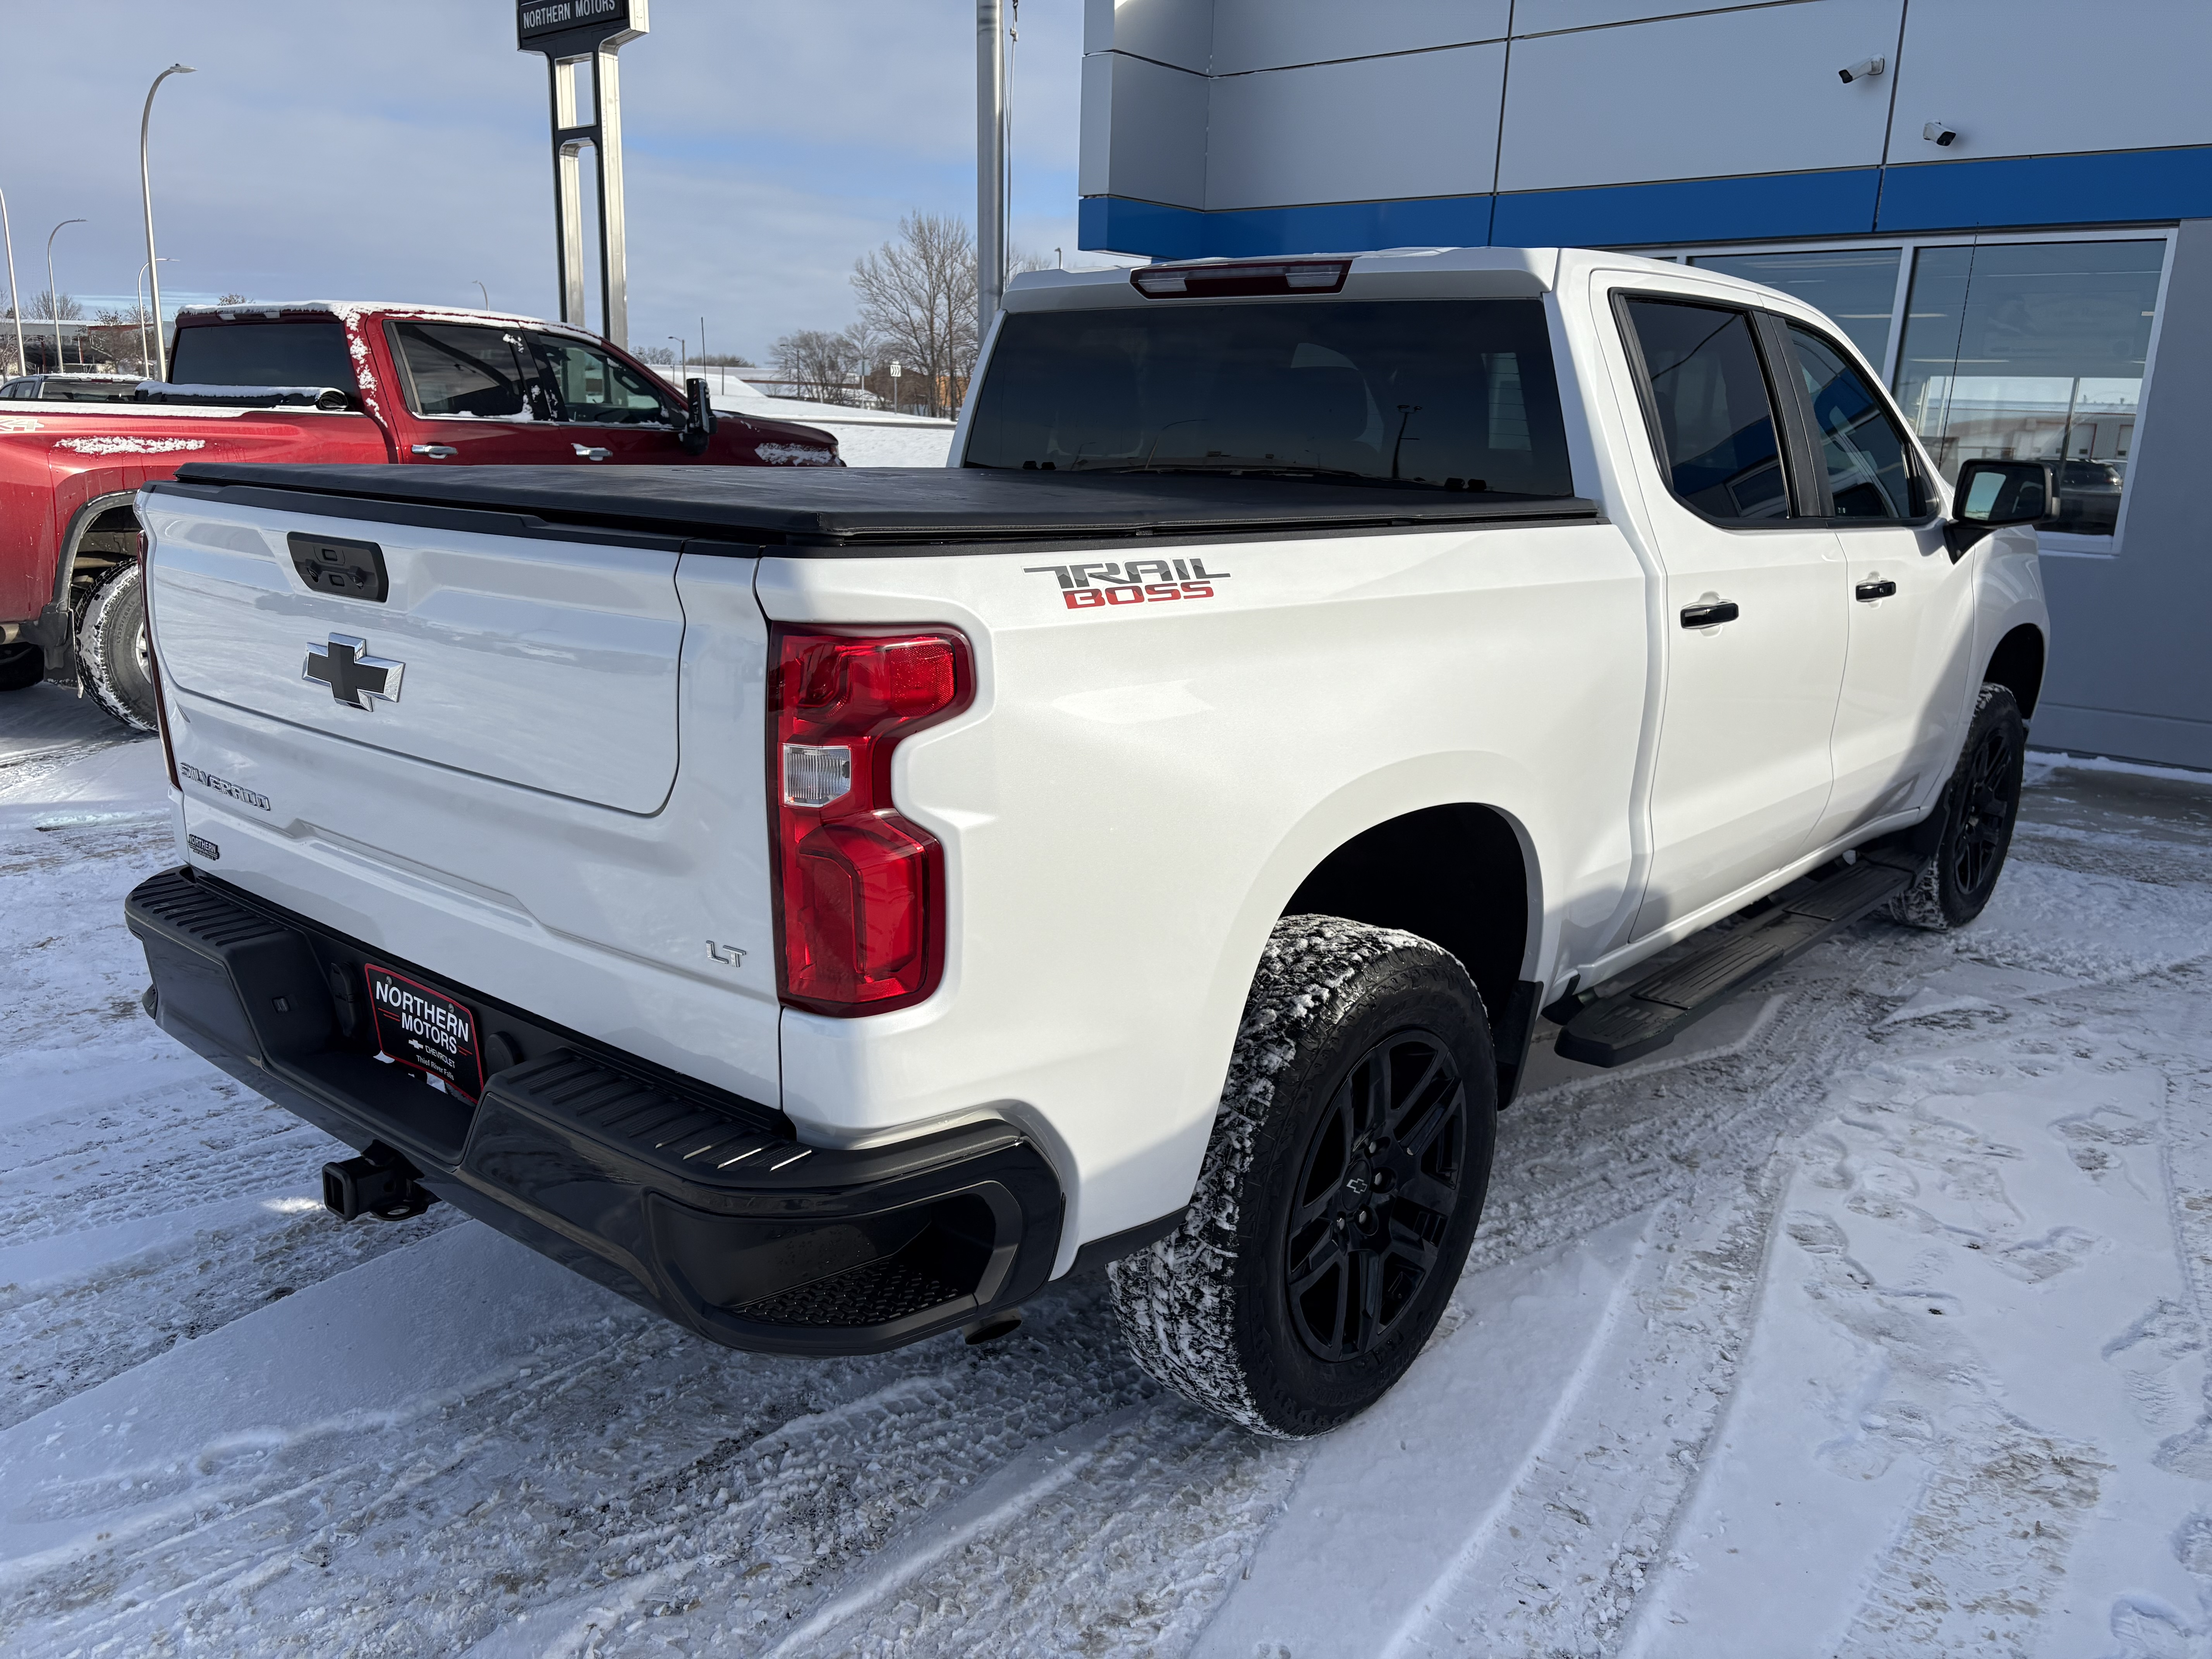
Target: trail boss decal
1140,581
427,1030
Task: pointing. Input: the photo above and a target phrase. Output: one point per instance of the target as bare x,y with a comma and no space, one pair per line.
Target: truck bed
822,510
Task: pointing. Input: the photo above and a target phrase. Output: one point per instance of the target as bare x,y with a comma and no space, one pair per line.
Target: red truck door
474,396
609,410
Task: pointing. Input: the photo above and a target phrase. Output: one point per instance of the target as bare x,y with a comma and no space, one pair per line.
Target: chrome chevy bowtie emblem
355,677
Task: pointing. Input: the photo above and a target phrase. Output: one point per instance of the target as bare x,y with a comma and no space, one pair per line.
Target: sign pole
570,33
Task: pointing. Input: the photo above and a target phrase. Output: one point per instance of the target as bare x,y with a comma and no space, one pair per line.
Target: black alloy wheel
1966,839
1375,1193
1990,797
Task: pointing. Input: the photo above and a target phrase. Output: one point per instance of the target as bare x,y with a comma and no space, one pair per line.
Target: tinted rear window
262,354
1454,393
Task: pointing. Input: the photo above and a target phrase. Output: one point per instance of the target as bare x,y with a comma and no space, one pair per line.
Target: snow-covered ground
1871,1323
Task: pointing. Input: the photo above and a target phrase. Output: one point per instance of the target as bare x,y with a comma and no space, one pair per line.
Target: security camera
1862,70
1940,134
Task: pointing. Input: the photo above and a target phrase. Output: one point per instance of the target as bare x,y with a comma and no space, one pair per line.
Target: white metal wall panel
1737,92
1422,124
1258,34
2123,75
1143,131
1178,32
1549,16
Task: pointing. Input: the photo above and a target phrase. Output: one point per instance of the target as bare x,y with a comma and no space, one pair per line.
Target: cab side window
1720,447
592,388
460,369
1870,473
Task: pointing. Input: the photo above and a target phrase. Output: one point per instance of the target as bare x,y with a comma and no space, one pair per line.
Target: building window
2034,351
1856,286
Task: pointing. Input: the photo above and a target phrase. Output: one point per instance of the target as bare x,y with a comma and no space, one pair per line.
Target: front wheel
1980,806
1340,1192
113,647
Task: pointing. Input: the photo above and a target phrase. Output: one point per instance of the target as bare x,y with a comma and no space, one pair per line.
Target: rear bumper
692,1201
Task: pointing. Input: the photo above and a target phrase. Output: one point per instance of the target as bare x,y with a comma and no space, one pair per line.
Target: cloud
400,150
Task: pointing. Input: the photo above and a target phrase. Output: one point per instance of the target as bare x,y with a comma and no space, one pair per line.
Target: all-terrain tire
1980,805
22,665
113,652
1356,1127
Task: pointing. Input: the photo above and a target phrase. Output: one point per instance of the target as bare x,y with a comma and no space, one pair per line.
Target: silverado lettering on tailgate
1138,582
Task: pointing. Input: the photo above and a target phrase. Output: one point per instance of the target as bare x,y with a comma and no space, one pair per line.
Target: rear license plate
420,1026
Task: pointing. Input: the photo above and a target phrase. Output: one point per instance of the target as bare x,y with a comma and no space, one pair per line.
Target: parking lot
1876,1310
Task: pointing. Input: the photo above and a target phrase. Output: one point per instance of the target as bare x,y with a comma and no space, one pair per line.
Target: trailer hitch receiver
380,1183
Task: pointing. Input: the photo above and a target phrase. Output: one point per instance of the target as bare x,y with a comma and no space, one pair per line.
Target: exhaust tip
991,1327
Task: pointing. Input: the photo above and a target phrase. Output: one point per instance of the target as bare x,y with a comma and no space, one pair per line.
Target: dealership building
2006,206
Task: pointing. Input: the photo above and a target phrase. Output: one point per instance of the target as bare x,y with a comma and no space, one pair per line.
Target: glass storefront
2009,348
1856,286
2034,351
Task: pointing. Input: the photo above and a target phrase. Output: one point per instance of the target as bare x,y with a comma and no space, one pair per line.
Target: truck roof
349,310
824,510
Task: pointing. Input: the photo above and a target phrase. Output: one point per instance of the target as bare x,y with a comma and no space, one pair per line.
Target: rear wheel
22,665
113,648
1980,806
1340,1190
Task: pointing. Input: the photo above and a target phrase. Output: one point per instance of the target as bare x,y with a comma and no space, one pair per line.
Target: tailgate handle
330,564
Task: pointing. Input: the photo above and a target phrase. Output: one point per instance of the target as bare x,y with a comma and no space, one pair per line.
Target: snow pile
1869,1321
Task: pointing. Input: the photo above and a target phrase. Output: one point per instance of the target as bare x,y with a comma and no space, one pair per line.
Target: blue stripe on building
2110,187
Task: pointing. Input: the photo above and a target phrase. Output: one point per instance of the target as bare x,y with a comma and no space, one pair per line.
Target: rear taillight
859,890
153,662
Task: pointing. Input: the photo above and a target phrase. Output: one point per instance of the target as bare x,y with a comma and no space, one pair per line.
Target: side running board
1659,1007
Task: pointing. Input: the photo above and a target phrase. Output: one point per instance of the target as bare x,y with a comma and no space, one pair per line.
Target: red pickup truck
317,381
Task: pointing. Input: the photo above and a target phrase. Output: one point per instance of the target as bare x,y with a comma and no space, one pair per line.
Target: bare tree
917,296
121,337
819,364
48,305
230,298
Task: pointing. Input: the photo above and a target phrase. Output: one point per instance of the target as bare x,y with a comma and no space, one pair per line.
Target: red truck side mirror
699,418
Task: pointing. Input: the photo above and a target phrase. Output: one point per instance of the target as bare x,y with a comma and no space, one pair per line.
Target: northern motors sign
565,26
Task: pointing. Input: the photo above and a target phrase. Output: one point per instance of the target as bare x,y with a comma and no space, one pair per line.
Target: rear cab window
1720,443
309,351
1445,394
468,372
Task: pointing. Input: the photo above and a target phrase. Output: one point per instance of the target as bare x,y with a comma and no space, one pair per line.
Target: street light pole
14,294
138,293
990,165
53,293
683,355
146,194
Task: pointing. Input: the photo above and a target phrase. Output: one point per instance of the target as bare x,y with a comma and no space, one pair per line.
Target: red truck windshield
1449,394
311,353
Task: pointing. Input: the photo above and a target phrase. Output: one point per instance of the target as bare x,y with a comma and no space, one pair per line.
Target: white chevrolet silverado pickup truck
826,905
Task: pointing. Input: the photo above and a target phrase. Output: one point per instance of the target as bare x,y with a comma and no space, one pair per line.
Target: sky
399,150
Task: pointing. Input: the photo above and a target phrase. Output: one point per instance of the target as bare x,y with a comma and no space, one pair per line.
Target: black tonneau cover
869,508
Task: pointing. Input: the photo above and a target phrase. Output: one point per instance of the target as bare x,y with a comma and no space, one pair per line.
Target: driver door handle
586,453
435,451
1868,592
1710,616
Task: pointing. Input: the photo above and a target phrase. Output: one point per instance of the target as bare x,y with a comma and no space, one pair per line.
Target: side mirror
699,418
1990,494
